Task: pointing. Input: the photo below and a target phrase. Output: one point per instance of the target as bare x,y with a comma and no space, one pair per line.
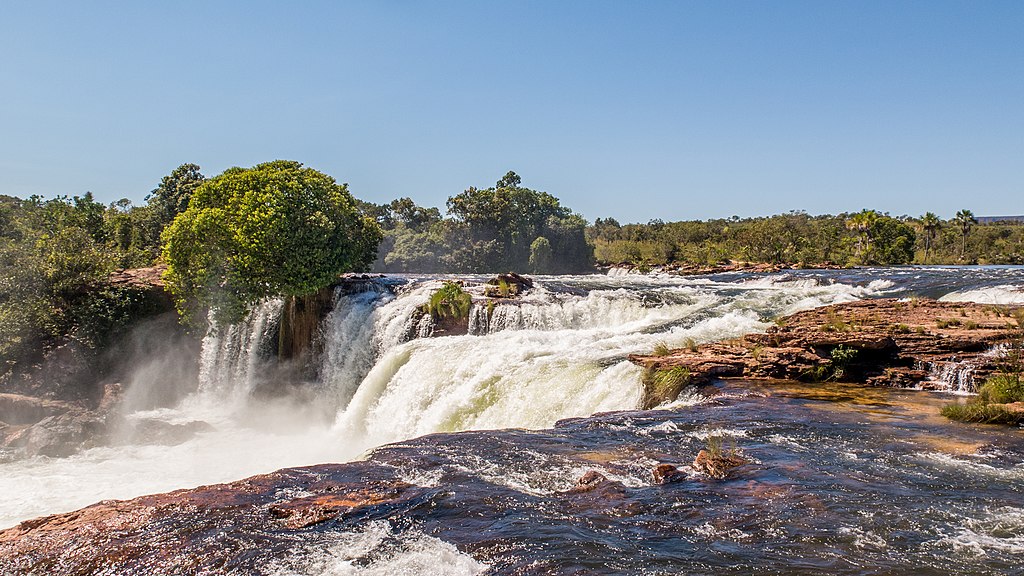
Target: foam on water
1005,294
377,550
995,530
558,353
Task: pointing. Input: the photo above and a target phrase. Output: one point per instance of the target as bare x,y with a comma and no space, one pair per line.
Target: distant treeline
862,238
54,252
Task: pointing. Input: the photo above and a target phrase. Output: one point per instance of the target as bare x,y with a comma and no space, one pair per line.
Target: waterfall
230,361
955,377
558,351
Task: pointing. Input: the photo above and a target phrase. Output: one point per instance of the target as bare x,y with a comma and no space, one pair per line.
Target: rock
19,409
717,464
220,529
667,473
61,435
149,431
507,285
590,480
304,512
885,342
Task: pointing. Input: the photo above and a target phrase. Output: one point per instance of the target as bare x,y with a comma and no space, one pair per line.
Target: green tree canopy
277,229
511,217
172,196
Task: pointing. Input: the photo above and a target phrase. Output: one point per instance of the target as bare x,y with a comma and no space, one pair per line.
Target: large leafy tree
277,229
501,224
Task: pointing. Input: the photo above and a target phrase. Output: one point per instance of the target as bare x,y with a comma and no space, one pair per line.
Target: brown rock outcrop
885,342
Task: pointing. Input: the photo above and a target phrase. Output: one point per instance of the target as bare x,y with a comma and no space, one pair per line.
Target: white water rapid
558,353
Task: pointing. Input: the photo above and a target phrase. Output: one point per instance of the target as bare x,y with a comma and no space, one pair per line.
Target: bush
989,405
449,301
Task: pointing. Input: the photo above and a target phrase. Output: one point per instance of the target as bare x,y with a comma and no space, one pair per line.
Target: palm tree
861,223
931,224
964,219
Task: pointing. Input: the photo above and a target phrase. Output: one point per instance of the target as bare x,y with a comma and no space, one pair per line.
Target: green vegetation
835,369
833,323
1003,388
664,384
54,255
661,349
989,405
277,229
796,238
506,227
449,301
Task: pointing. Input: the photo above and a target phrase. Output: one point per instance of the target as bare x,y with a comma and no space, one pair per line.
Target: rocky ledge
886,342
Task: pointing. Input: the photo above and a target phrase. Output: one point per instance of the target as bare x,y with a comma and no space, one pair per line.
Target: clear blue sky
636,110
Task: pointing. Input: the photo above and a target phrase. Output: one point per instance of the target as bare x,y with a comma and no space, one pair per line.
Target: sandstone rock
719,465
61,435
507,285
891,343
149,431
667,473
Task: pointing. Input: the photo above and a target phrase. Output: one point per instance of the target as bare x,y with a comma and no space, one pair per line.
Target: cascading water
230,357
558,352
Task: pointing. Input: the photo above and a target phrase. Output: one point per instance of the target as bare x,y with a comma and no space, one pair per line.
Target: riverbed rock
667,474
717,464
884,342
507,285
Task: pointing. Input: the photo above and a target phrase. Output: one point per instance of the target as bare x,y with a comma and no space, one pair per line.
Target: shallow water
843,480
559,354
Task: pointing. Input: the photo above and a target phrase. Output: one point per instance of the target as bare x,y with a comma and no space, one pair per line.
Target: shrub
449,301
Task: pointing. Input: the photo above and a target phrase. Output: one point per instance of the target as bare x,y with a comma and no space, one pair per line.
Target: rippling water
839,482
842,480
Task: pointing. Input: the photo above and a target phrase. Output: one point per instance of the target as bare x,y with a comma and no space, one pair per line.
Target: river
847,478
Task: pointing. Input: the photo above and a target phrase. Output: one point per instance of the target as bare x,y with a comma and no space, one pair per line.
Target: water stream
559,354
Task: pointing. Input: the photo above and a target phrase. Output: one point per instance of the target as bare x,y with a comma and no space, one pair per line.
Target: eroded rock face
884,342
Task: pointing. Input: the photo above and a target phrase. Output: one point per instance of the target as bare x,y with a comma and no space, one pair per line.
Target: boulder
717,464
666,474
507,286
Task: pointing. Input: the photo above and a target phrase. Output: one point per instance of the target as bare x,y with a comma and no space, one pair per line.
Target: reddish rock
717,464
895,342
667,473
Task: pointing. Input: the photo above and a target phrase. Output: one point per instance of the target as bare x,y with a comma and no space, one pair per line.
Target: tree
511,217
540,256
277,229
964,220
930,223
892,241
172,196
861,223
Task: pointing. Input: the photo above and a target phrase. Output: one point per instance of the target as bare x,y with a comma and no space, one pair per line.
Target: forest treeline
55,252
797,238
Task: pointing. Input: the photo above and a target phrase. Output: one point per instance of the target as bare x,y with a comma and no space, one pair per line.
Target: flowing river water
845,479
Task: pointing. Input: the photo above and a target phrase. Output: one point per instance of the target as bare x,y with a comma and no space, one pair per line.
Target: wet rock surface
580,499
902,343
